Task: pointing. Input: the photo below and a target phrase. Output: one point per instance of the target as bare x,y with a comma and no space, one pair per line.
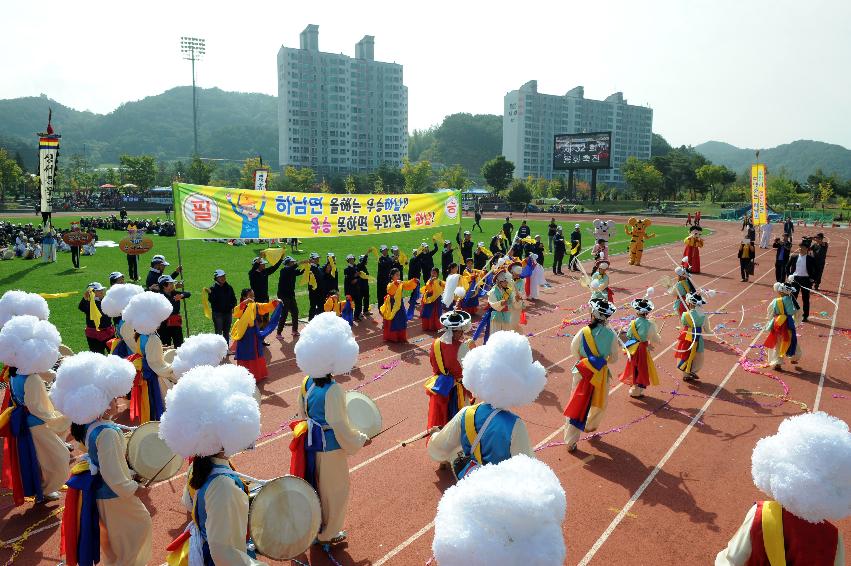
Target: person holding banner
248,334
393,310
99,328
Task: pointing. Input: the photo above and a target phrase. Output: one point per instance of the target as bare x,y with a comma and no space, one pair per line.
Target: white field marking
830,335
383,560
650,477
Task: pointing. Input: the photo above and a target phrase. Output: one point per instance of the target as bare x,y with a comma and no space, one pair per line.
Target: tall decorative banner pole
48,161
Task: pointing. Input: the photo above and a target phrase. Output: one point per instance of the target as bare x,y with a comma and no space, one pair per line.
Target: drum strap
310,422
470,417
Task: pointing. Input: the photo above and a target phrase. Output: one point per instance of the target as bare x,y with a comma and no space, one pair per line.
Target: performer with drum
215,494
488,432
446,393
36,460
101,489
144,313
324,437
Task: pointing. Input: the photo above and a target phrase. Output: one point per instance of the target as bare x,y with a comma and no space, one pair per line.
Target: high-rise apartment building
531,120
338,114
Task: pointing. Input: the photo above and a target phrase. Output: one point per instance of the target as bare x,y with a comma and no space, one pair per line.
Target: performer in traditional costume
446,392
600,283
144,313
113,304
503,302
518,315
533,276
804,469
503,515
693,244
323,436
249,330
393,310
690,345
104,520
16,303
641,336
215,494
595,346
470,282
35,458
99,329
784,316
488,432
345,309
682,287
432,307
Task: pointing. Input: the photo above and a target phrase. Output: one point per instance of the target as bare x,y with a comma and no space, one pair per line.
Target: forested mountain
799,158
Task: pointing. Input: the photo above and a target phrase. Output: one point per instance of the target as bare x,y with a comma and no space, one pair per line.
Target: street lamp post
193,49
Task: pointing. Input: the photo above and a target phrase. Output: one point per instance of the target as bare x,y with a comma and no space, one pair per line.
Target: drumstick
160,471
388,428
421,435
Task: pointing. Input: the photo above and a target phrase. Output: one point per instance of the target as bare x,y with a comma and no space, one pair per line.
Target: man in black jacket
524,231
363,285
414,266
314,287
559,249
158,265
382,279
802,267
465,245
508,228
286,293
397,264
351,284
538,249
784,250
171,330
480,258
819,251
575,242
426,260
447,256
222,302
258,278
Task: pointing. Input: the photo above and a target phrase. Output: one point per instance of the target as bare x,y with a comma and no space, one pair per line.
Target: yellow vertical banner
759,206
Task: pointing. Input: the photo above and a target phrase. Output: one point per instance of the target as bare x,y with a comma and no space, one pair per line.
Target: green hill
799,158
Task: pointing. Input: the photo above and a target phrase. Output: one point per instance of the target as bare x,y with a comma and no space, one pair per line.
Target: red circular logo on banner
201,211
451,207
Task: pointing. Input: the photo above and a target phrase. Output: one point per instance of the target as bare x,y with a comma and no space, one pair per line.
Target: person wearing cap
538,249
746,255
693,242
258,278
426,258
35,458
465,245
414,268
332,275
524,231
171,329
323,438
222,300
802,267
446,393
393,309
447,256
86,390
116,278
432,307
560,248
551,232
641,337
250,329
804,469
158,265
595,347
363,286
215,495
99,328
480,256
351,285
286,294
783,315
819,252
385,264
398,263
496,244
314,277
682,287
497,387
690,344
600,252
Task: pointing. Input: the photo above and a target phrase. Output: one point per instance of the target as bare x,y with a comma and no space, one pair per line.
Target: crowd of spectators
121,222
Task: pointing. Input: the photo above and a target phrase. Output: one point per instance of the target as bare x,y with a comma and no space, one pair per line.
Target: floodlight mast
193,49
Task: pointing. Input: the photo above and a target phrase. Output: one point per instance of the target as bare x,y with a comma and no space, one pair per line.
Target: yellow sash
243,320
205,302
432,292
772,533
309,278
94,312
470,430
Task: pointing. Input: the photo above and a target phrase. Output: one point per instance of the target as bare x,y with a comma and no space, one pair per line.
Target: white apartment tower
531,120
338,114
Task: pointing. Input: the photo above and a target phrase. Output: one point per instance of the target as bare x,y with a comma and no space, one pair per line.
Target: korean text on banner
48,157
215,212
759,210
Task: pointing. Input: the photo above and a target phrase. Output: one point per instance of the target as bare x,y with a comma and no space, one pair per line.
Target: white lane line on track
830,335
383,560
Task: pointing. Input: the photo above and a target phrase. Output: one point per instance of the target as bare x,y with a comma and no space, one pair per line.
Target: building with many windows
338,114
531,120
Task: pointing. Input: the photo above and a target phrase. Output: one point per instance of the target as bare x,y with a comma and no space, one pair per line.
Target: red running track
673,466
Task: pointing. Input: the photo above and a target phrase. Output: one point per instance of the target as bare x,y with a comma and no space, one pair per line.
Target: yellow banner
759,207
215,212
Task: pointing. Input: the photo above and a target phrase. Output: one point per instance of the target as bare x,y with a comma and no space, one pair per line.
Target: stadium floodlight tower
193,49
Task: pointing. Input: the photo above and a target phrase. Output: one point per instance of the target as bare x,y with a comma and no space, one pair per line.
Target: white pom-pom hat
16,303
199,350
146,311
806,467
29,344
86,383
502,371
190,428
502,515
117,297
326,346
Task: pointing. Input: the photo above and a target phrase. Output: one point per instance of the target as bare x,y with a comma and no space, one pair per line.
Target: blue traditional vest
495,444
102,491
314,408
199,515
17,391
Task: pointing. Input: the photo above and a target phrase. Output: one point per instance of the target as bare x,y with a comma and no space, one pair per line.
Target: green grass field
201,258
